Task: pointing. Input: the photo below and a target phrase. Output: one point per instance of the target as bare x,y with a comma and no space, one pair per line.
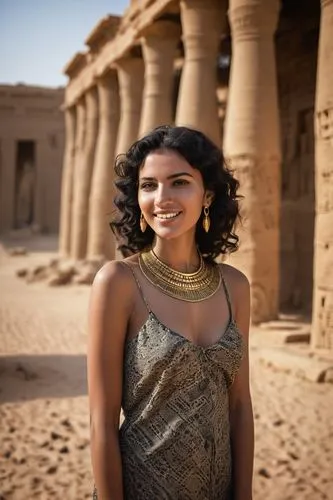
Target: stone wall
31,154
297,50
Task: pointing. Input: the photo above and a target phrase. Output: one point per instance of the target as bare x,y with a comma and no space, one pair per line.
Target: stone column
322,317
83,173
79,157
252,147
100,241
159,45
130,76
67,183
202,23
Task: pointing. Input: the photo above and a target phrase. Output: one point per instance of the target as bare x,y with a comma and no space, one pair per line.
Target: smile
166,216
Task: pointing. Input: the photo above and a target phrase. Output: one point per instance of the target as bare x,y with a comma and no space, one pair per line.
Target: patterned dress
175,438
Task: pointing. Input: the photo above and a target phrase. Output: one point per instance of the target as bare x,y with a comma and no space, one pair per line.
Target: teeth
167,216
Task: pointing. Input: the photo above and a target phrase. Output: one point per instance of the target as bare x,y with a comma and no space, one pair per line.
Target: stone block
17,251
301,365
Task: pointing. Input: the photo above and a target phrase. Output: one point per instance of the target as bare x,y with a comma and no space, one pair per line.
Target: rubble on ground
61,272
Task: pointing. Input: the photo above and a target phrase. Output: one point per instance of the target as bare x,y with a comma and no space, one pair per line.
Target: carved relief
298,170
248,21
254,174
244,18
261,303
260,210
259,180
324,321
325,181
322,331
325,124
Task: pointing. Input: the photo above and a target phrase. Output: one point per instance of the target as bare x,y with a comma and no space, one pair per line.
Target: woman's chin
170,233
166,233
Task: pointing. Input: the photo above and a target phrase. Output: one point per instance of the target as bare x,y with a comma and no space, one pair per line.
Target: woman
168,331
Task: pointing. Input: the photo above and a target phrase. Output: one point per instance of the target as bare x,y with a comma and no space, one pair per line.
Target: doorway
24,184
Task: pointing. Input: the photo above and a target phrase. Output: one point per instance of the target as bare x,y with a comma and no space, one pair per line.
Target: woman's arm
241,415
108,318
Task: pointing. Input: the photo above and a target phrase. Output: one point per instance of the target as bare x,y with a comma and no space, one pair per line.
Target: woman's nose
163,194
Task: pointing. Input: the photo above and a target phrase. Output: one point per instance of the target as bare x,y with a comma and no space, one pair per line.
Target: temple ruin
31,152
254,75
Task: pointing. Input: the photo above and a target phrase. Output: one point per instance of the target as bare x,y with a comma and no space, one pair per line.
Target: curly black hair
201,153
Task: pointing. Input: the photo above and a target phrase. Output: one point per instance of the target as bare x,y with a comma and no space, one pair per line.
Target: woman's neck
179,255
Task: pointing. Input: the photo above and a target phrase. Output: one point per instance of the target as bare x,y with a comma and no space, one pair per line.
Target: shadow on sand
28,377
40,243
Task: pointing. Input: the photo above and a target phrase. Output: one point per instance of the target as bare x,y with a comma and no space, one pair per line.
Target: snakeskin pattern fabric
175,438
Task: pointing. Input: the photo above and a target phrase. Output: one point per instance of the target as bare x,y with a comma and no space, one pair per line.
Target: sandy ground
44,422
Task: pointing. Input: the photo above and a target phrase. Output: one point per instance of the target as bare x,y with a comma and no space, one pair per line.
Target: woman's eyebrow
172,176
180,174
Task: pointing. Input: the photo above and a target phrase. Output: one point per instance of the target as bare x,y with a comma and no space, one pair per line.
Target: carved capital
130,76
162,29
107,79
159,43
129,64
253,19
202,23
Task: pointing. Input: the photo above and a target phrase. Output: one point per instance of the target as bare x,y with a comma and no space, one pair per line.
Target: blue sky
38,37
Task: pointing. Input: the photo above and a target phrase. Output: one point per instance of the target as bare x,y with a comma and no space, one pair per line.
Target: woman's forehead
165,162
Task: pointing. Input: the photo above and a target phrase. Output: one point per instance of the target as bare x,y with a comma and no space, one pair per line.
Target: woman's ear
208,198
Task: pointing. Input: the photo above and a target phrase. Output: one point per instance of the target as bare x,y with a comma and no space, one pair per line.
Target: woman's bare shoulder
115,277
239,287
234,277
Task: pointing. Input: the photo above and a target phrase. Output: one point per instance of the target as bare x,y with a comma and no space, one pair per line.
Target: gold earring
143,223
206,219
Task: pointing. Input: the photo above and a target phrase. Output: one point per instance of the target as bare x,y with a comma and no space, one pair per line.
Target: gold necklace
191,287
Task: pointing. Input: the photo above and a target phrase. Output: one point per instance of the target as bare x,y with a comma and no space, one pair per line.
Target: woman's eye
147,185
180,182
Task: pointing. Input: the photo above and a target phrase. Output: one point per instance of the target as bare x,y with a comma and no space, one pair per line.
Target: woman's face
171,194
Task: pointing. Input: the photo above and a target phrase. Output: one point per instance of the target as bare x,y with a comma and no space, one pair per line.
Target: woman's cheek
145,200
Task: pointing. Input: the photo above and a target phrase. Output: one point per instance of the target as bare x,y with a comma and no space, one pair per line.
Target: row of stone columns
97,131
145,88
251,140
87,186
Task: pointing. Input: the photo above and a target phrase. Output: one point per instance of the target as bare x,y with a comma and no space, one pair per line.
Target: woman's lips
166,215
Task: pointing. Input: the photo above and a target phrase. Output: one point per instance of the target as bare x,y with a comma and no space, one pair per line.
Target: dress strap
227,295
137,283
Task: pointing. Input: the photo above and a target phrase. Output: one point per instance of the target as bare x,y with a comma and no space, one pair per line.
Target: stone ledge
286,337
288,329
304,365
114,49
